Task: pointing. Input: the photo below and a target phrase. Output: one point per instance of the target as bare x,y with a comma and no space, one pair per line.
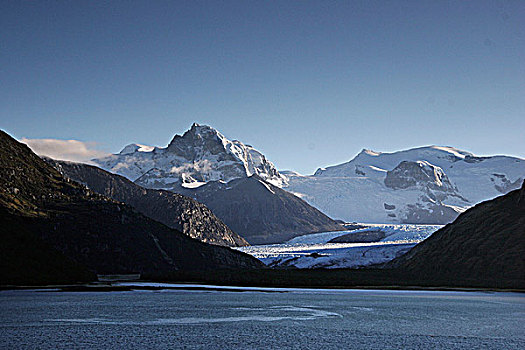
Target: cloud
202,166
72,150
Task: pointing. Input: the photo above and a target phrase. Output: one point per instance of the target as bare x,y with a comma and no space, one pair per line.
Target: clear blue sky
308,83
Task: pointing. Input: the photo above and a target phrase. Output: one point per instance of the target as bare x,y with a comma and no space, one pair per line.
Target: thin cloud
203,166
71,150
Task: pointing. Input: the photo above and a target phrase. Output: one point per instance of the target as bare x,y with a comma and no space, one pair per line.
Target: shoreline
192,286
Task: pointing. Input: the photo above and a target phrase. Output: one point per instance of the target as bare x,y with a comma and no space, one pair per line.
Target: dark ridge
485,243
27,259
174,210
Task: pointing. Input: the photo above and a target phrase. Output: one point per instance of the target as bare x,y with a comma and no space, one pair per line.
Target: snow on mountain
421,185
200,155
135,147
426,185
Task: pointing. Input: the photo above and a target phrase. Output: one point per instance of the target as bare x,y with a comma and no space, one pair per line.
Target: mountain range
425,185
56,230
234,180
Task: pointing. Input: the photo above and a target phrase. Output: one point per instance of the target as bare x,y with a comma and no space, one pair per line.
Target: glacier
316,251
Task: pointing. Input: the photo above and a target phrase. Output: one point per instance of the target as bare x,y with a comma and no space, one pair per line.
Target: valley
262,217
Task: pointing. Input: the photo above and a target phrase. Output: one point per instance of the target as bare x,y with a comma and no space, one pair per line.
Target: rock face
174,210
485,243
426,185
360,237
91,230
200,155
504,185
260,212
418,174
434,186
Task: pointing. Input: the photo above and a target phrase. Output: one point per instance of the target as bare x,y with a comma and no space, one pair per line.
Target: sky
308,83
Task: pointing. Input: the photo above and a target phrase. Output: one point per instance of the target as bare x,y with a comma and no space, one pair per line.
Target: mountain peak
201,154
369,152
195,127
429,184
195,134
200,127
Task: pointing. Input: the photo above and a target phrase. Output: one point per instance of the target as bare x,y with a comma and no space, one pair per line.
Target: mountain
487,242
259,211
40,208
234,180
173,210
426,185
200,155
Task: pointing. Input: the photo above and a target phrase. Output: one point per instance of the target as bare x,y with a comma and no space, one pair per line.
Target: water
297,319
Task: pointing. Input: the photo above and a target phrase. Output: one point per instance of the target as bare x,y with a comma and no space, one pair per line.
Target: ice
314,251
195,184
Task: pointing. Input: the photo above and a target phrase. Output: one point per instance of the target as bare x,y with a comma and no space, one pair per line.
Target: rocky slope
200,155
92,230
487,242
426,185
260,212
174,210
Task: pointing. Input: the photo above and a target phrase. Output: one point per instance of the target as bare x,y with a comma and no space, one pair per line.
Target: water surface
295,318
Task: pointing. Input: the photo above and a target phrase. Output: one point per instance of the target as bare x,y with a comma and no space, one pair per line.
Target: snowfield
430,184
315,251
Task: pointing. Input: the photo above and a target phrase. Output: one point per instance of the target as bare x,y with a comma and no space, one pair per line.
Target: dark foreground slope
26,259
43,215
485,243
174,210
260,212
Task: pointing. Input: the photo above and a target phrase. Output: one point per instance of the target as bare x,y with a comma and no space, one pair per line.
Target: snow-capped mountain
421,185
200,155
233,179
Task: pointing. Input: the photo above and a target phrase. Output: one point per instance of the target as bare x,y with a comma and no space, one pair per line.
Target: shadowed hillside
261,212
487,242
39,207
